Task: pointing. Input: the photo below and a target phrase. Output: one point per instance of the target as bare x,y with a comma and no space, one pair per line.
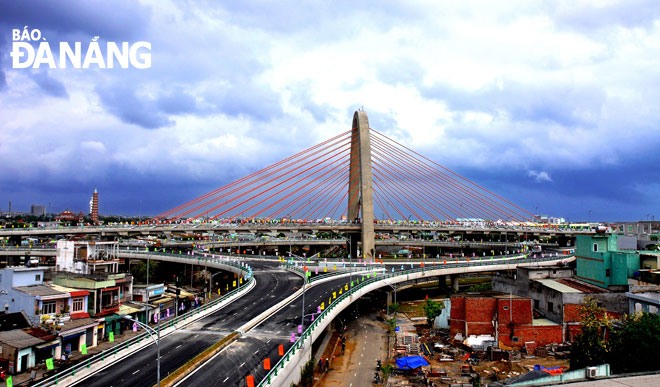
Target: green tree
393,308
306,375
635,345
386,369
590,347
391,325
139,271
433,309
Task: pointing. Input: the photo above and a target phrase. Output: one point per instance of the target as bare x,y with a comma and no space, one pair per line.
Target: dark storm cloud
3,78
122,20
566,104
113,20
123,102
49,85
611,192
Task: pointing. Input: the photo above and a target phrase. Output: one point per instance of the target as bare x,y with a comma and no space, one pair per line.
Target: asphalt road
139,369
246,355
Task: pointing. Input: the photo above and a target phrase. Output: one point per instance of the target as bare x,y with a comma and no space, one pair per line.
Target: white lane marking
225,379
136,372
268,341
177,346
242,364
256,352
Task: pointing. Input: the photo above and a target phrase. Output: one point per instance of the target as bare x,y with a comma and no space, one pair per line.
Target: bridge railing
318,277
228,261
362,282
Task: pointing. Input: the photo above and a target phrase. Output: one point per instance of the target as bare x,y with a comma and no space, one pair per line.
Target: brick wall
520,311
457,316
572,312
457,308
479,309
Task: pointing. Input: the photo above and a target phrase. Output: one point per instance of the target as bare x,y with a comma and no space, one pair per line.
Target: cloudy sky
553,105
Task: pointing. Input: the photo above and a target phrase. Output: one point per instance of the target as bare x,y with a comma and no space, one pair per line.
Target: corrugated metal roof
553,284
41,290
19,339
543,322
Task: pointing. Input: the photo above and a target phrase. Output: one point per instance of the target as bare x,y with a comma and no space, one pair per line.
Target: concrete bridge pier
353,240
442,282
454,282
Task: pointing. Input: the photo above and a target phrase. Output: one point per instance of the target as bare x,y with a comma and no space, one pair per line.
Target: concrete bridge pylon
360,188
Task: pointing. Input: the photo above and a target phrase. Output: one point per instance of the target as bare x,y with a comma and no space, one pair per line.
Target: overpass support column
442,282
454,282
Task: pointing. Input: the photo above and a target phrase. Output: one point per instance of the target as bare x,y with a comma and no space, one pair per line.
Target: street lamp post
211,283
156,340
350,260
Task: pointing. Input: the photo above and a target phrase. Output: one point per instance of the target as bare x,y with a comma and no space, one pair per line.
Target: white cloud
540,176
472,85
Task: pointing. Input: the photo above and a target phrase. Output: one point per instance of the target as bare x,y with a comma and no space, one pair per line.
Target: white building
84,257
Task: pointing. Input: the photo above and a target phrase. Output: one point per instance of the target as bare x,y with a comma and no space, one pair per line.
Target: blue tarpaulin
411,362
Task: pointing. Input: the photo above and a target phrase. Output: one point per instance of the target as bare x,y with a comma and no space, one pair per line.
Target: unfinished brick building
508,318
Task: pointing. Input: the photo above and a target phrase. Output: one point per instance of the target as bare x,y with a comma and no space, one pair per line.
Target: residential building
606,260
85,257
18,347
647,232
13,300
37,210
108,292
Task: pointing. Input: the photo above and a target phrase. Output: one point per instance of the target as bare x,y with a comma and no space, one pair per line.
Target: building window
37,277
515,339
77,305
536,304
595,247
506,307
607,272
49,307
550,306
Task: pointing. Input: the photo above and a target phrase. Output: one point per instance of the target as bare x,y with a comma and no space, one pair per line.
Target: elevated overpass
309,227
262,340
